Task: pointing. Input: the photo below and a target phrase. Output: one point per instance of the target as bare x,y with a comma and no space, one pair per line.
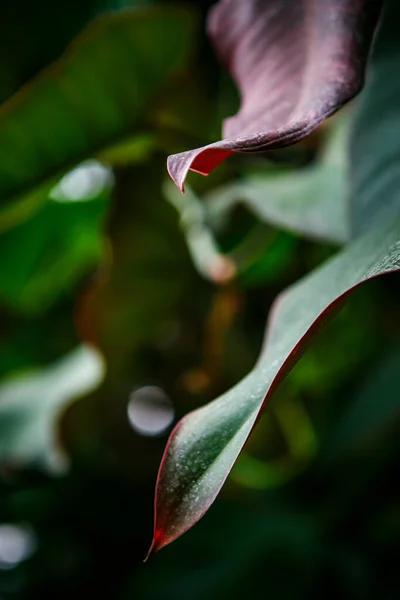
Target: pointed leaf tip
205,444
295,64
202,160
159,539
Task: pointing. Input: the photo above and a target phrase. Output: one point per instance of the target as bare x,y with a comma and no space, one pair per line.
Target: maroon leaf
295,62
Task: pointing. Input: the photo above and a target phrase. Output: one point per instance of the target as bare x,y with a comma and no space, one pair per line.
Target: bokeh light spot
17,543
150,411
85,182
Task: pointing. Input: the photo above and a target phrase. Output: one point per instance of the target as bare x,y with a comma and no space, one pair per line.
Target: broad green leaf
375,147
30,405
39,259
94,95
205,444
309,201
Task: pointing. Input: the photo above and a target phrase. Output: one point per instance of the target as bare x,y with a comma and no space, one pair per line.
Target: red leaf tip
156,544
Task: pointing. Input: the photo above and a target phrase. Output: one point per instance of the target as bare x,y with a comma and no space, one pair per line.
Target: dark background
312,509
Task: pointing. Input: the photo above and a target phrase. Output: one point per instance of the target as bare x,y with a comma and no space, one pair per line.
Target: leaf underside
295,64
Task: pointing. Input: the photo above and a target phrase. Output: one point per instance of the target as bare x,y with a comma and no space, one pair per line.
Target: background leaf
310,201
31,404
42,257
94,94
374,142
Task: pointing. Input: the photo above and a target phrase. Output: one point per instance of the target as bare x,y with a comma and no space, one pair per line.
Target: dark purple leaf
295,62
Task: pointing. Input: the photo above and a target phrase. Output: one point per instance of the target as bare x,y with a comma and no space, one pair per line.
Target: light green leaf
30,406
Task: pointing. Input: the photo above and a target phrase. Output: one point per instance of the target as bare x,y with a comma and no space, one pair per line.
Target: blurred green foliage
173,294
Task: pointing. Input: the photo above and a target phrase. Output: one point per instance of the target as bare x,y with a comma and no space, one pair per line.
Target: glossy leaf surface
206,443
295,64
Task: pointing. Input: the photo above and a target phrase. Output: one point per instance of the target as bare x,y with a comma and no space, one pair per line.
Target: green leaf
42,257
310,201
205,444
31,404
375,148
94,95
